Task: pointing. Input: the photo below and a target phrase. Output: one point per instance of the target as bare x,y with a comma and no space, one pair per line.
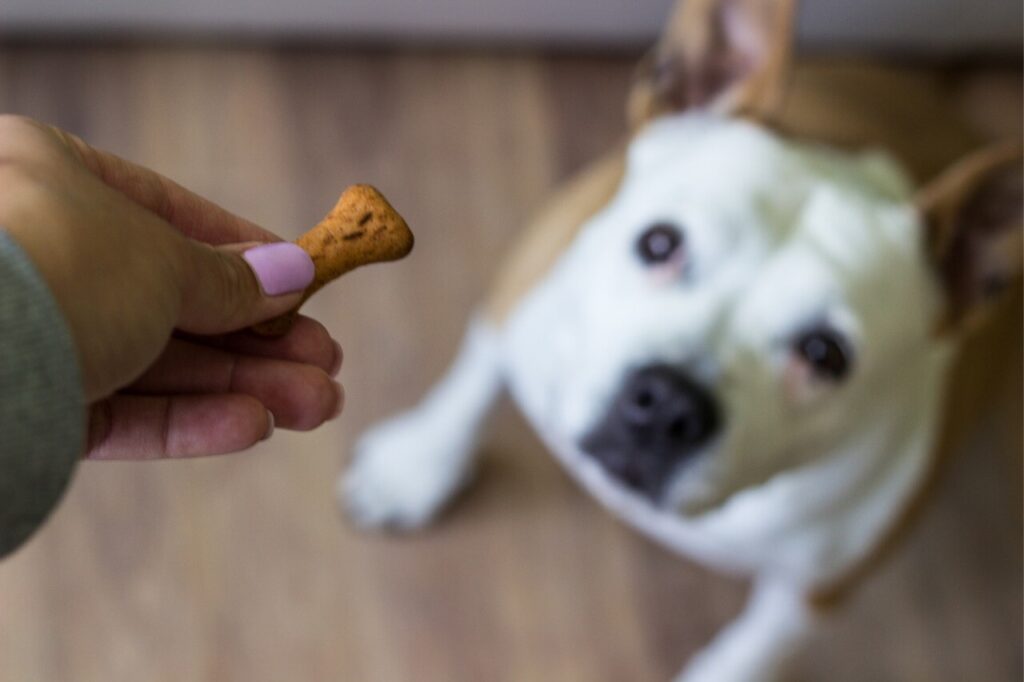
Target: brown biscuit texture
362,228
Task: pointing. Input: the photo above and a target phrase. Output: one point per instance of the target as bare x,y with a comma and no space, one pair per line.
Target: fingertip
339,356
308,402
329,403
339,400
270,425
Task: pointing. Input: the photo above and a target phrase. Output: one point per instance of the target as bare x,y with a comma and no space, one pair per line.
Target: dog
736,338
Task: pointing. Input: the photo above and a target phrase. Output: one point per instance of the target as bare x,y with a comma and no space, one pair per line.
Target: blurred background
467,113
930,26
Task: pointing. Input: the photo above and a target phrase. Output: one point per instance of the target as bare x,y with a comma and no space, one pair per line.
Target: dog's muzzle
659,418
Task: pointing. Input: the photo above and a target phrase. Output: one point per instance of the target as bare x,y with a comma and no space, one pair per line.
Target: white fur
805,478
760,643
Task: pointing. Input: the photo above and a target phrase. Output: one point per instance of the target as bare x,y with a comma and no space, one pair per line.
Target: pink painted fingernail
281,267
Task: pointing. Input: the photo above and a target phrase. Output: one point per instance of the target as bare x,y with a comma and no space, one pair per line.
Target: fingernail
281,267
270,425
338,355
341,400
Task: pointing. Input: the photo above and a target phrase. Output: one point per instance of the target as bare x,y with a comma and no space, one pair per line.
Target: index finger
196,217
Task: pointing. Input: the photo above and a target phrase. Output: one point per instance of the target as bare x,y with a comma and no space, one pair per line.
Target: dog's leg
407,467
757,646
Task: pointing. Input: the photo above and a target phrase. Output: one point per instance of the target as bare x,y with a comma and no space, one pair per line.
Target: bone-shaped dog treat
362,228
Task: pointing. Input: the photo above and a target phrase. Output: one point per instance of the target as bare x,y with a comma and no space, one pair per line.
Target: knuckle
24,189
14,125
16,175
236,288
19,138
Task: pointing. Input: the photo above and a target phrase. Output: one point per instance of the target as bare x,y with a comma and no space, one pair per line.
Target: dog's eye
825,351
659,242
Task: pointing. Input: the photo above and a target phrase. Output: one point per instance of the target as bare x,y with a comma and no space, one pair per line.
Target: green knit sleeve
42,407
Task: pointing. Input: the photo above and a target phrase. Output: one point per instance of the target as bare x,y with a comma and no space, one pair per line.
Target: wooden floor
240,568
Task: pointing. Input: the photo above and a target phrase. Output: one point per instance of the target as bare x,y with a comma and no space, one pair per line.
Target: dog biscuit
362,228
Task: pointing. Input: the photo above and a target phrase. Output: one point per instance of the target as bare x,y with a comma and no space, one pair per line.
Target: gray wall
904,25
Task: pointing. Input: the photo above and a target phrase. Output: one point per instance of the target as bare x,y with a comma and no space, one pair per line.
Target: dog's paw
402,474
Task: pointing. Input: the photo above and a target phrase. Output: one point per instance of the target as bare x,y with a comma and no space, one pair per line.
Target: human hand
154,286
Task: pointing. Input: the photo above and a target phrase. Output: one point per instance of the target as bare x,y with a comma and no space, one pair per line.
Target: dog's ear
974,217
726,56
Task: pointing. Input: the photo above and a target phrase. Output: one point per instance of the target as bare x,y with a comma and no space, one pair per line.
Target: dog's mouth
641,471
659,420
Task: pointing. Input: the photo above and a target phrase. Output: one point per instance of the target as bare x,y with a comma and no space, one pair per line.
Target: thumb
231,287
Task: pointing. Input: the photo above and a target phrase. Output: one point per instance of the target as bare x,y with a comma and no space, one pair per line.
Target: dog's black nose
659,416
662,407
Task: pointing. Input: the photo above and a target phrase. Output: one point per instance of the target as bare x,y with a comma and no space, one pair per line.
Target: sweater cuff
42,405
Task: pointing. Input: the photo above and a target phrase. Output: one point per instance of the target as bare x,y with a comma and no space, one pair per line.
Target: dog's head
748,302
